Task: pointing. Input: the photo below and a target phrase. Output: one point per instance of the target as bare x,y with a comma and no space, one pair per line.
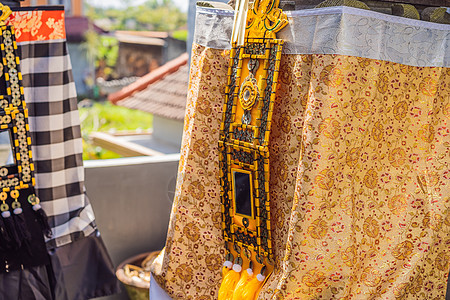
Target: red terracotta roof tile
164,93
144,81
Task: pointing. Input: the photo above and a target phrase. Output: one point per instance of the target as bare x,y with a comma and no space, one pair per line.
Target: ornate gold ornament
6,12
243,148
265,19
248,93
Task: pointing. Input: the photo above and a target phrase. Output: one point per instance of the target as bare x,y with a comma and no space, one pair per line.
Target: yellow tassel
252,288
229,282
225,270
241,285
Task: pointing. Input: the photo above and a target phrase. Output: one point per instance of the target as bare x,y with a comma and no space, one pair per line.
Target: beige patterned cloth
359,181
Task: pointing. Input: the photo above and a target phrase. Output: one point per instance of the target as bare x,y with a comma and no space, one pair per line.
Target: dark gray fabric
83,270
80,270
27,284
31,252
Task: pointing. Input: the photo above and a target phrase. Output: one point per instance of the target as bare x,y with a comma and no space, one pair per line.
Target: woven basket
135,292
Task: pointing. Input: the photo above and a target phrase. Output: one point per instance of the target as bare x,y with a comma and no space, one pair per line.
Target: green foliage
108,50
92,12
180,35
102,51
91,45
106,117
158,15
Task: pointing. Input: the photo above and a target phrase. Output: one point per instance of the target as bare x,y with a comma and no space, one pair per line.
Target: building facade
72,7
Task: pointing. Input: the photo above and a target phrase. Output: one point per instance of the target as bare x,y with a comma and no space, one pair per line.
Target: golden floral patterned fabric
359,175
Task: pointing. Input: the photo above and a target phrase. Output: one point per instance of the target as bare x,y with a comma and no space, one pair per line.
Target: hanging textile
359,160
54,122
23,223
80,265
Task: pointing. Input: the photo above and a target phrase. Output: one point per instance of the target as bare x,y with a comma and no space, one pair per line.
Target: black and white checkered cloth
50,95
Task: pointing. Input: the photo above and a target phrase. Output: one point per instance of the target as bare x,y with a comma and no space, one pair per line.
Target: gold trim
6,12
265,19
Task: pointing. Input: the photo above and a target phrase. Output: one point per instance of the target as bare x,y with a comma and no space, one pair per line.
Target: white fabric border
345,31
367,13
155,291
49,41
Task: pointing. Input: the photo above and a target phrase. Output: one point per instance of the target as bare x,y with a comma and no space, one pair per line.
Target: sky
183,4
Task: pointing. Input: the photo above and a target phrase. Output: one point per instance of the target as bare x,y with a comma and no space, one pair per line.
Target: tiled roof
162,92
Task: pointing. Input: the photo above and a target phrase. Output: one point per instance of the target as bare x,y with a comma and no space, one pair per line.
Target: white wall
170,131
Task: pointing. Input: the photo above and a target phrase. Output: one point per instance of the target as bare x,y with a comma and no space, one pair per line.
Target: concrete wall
132,199
174,48
168,130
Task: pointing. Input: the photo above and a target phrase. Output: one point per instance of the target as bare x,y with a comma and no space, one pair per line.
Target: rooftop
162,92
